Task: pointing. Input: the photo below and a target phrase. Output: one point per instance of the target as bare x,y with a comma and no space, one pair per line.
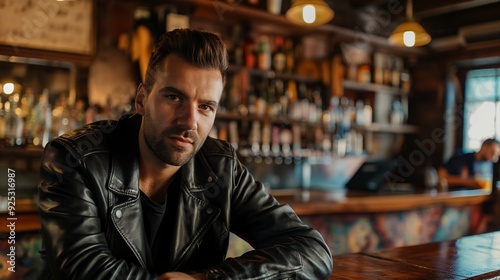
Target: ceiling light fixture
312,12
410,33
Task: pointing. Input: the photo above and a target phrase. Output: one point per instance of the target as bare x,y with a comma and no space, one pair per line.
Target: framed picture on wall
61,26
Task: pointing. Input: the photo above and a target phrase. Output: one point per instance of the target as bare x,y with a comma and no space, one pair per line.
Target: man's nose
188,117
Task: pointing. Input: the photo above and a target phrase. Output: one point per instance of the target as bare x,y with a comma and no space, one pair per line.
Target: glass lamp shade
312,12
410,34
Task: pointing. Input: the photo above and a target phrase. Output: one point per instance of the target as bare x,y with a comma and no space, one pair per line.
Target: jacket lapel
126,212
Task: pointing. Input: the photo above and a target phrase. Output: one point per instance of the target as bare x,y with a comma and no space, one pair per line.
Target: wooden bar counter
470,257
352,222
308,202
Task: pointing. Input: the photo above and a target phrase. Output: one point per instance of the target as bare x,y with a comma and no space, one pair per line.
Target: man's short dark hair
200,48
490,141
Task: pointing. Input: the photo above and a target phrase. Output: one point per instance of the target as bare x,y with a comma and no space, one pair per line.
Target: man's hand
181,276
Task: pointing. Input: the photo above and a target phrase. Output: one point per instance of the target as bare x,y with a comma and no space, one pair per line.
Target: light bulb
309,14
409,38
8,88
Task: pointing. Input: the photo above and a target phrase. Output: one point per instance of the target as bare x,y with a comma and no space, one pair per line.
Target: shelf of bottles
27,118
30,120
270,113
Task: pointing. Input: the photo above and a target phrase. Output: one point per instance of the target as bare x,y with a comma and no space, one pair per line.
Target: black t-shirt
152,213
158,221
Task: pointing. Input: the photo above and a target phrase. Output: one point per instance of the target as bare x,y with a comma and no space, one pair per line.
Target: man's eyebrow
210,102
173,90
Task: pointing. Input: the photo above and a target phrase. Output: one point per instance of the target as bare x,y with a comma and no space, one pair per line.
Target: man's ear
140,99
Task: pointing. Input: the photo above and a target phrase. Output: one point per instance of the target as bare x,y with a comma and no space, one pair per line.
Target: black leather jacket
92,224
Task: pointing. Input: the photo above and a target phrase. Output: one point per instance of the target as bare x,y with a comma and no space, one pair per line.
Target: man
461,169
152,195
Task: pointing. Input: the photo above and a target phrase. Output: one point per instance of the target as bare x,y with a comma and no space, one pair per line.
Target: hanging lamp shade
309,12
410,33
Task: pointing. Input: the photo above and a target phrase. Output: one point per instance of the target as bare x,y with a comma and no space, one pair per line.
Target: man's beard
169,153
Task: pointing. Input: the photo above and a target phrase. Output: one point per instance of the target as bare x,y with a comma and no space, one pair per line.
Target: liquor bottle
61,116
405,80
378,68
275,141
303,113
396,72
255,138
296,142
346,116
360,113
266,139
364,74
286,144
249,48
264,54
11,118
2,121
271,100
289,57
261,101
238,54
223,133
43,113
316,105
397,115
388,70
27,104
19,128
252,100
274,6
279,57
291,93
367,113
235,45
281,99
233,134
329,116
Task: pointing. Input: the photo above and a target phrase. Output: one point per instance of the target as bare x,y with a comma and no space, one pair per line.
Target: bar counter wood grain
470,257
330,202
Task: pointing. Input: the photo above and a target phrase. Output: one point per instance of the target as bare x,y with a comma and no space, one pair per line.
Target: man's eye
173,97
206,108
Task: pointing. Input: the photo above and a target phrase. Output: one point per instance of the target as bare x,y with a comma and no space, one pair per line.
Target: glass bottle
279,57
289,57
264,54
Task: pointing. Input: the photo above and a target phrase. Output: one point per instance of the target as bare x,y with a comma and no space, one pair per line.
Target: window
482,107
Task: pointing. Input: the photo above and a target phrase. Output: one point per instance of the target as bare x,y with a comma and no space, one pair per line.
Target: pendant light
410,33
312,12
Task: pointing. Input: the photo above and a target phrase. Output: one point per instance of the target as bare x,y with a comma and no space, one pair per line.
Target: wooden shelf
373,87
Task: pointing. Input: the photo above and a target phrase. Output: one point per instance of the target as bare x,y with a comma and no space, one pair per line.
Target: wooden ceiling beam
423,12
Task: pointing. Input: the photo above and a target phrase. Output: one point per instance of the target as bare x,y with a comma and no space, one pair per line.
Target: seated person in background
150,196
462,170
